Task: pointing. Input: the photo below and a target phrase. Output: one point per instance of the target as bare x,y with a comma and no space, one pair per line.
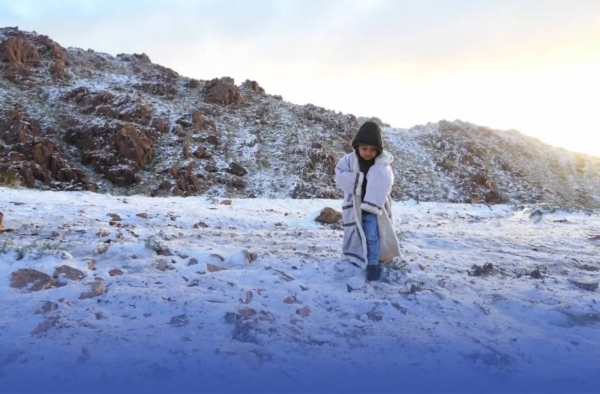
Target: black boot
373,272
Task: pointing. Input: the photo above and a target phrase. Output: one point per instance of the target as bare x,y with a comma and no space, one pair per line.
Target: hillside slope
74,119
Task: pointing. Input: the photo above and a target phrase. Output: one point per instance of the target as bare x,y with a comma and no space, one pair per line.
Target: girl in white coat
366,178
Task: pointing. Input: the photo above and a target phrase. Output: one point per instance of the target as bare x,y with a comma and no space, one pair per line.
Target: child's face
367,152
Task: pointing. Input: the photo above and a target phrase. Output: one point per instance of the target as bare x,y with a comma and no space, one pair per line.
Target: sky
525,65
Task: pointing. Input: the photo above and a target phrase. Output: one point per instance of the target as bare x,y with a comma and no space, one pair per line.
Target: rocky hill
74,119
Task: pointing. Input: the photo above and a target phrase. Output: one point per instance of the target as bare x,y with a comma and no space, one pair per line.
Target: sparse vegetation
9,178
7,245
35,250
156,242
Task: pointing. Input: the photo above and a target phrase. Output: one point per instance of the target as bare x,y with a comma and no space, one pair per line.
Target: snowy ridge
288,150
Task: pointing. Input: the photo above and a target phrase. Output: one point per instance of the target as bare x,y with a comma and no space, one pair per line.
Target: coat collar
384,158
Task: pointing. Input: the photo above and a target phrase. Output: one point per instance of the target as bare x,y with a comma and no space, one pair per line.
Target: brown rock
402,309
231,318
250,256
97,288
192,83
186,150
467,159
447,164
103,232
249,297
102,247
55,53
494,197
106,111
78,95
42,152
214,268
289,300
179,321
165,185
114,217
187,184
479,178
140,114
28,176
246,313
121,175
47,307
305,311
253,86
201,152
142,58
329,216
45,325
115,272
113,151
226,202
18,50
162,265
223,91
375,316
200,225
32,279
582,319
586,284
91,265
237,183
142,215
211,167
64,301
164,252
160,125
198,121
134,144
213,139
237,169
69,272
15,156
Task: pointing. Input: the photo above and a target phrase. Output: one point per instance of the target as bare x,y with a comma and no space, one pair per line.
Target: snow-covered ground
255,295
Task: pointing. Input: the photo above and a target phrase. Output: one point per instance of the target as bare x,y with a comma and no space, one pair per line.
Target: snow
430,323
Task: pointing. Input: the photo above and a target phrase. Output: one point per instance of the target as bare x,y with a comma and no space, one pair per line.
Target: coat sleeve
380,179
346,179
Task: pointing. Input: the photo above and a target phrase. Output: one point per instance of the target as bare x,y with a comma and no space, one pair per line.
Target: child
366,178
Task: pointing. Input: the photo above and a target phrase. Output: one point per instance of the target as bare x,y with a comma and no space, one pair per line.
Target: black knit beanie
369,134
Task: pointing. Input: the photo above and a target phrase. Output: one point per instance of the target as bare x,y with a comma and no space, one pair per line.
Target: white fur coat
377,200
